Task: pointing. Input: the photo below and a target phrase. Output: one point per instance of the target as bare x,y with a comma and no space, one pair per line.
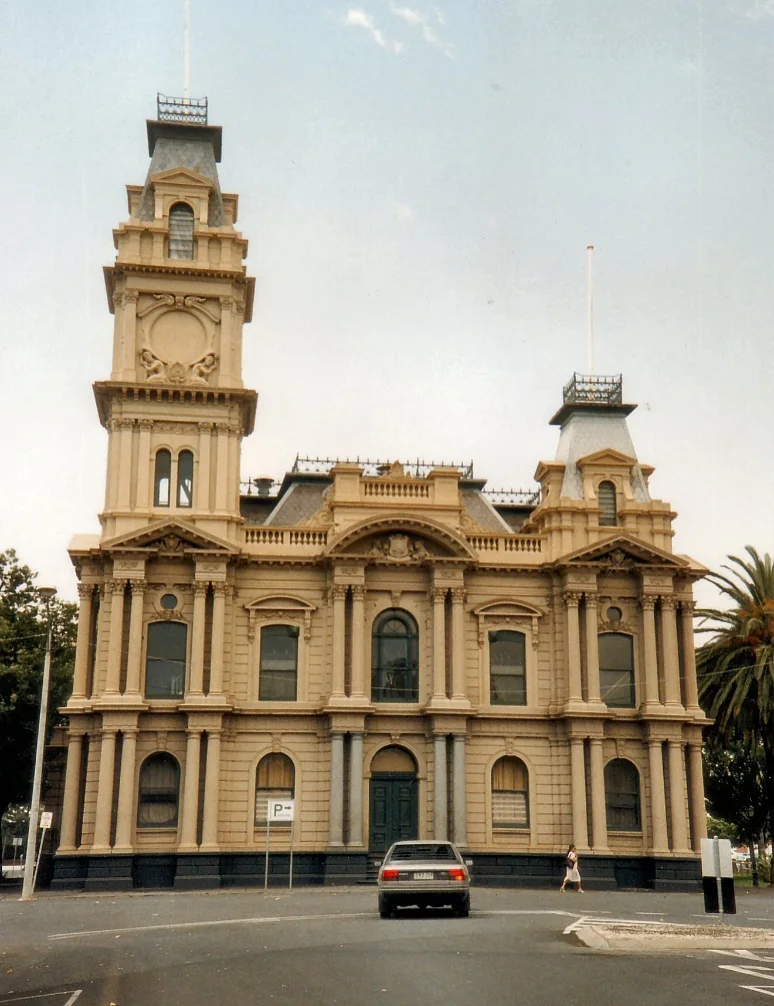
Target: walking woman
572,873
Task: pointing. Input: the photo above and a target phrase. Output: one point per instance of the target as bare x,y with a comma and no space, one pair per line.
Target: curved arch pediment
400,538
508,606
280,602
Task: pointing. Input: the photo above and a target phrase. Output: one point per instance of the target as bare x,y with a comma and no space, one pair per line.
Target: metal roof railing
594,390
414,469
189,110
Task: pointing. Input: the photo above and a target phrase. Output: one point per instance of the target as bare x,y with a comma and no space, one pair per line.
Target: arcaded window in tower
185,470
161,478
166,660
159,792
394,658
275,779
181,231
606,495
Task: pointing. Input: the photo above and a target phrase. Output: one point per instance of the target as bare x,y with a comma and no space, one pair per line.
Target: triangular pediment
169,536
607,456
181,176
622,552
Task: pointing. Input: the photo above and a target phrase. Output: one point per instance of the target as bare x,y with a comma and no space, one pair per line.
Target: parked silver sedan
423,873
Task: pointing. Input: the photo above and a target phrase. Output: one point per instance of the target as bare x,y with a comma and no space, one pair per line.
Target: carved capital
205,427
220,588
668,602
227,303
647,602
138,586
119,298
688,608
358,591
131,296
145,424
200,588
85,589
223,427
338,591
115,586
571,598
458,595
592,599
438,594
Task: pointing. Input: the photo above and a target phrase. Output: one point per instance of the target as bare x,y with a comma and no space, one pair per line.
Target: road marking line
766,990
216,922
523,911
46,995
747,955
649,913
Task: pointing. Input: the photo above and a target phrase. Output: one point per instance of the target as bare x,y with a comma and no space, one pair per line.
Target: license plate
423,876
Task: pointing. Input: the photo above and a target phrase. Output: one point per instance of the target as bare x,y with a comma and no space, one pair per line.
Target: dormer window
181,231
606,496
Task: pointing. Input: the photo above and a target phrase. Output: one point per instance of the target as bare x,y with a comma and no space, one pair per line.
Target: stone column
698,810
202,499
676,761
580,825
671,656
336,799
125,464
598,808
660,844
115,642
134,657
125,815
197,639
191,792
221,469
592,648
104,813
571,601
440,789
358,643
439,644
687,609
356,789
80,673
103,630
339,596
144,500
460,792
211,793
71,793
458,644
218,636
647,604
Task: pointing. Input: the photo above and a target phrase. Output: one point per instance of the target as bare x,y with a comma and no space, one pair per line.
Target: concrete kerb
637,937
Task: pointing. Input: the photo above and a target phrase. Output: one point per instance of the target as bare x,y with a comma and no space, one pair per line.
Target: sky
418,185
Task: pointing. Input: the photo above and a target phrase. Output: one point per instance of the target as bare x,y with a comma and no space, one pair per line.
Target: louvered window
159,791
606,495
275,779
510,794
181,231
622,796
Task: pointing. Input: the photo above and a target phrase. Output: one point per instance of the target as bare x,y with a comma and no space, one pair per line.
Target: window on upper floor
616,669
165,661
278,676
275,779
395,657
181,231
510,794
507,668
161,478
159,792
608,516
622,796
185,472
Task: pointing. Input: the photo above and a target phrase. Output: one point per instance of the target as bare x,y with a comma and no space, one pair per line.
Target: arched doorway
393,804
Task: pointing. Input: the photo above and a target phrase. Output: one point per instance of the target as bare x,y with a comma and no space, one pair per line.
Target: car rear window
426,853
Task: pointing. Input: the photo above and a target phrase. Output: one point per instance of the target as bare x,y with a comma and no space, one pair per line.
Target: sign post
46,820
717,877
278,810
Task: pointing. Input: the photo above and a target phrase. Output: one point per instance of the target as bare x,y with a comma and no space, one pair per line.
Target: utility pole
28,886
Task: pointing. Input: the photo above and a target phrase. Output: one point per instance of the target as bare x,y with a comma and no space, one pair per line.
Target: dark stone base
196,871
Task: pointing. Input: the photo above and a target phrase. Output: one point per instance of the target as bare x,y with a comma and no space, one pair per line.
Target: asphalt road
329,946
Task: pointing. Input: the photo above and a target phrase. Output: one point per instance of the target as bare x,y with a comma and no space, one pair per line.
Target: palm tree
736,666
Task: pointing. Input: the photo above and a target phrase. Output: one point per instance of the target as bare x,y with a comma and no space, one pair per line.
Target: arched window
606,496
622,796
616,669
278,680
181,231
510,794
165,660
275,779
507,668
185,471
161,478
159,792
394,658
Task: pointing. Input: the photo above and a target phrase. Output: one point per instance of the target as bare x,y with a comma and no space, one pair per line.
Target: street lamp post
29,860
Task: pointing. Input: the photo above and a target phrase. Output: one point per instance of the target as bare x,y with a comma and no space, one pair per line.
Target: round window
614,614
169,602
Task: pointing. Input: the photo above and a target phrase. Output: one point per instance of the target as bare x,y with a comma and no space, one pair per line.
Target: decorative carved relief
399,548
571,598
276,743
161,740
155,369
190,429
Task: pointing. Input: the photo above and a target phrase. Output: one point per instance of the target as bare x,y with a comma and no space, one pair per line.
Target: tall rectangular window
507,668
278,680
616,669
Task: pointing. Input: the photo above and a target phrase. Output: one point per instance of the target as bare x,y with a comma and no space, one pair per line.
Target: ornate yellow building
398,650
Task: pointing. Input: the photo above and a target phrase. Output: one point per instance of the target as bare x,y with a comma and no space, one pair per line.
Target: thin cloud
358,18
403,211
761,9
416,19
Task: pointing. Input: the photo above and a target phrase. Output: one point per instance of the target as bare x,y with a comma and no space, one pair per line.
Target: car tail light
456,873
390,874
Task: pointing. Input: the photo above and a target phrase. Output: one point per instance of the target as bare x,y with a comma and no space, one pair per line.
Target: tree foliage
22,650
735,787
736,672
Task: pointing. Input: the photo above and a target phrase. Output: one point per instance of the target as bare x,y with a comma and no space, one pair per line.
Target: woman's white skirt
573,876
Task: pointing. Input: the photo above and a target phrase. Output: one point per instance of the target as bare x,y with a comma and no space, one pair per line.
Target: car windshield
441,853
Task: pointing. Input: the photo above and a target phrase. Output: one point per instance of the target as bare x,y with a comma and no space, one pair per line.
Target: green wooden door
394,809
